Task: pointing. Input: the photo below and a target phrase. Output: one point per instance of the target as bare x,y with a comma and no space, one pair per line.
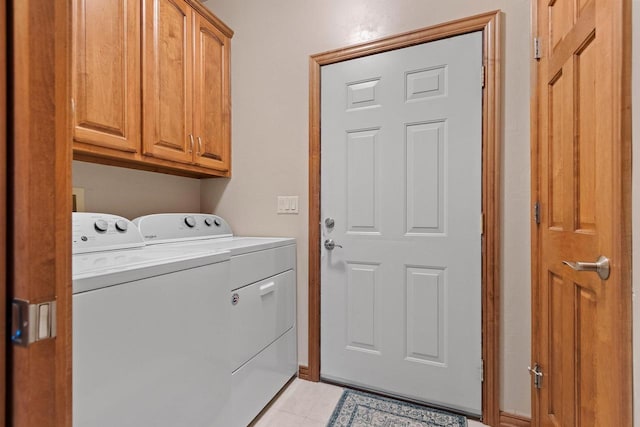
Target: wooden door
582,323
39,196
212,98
401,184
167,83
106,75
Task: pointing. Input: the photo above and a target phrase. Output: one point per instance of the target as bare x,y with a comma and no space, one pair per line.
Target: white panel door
401,178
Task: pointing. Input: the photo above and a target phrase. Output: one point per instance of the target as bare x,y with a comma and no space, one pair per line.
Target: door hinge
537,375
32,322
481,370
536,212
484,75
537,50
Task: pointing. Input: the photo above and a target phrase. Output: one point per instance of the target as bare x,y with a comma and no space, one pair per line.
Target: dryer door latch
32,322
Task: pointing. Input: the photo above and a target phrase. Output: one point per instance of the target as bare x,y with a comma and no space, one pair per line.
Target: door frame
5,212
490,25
38,248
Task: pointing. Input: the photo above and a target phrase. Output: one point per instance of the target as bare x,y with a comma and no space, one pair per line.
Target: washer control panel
93,232
174,227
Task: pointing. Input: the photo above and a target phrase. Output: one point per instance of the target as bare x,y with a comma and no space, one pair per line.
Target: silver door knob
329,222
601,266
330,245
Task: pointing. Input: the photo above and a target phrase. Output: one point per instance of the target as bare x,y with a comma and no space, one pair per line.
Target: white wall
270,52
131,193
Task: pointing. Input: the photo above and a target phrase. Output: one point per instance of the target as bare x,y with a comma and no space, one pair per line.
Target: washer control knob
101,226
208,221
217,222
121,225
190,221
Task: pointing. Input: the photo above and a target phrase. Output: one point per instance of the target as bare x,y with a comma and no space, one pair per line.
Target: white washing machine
149,330
261,298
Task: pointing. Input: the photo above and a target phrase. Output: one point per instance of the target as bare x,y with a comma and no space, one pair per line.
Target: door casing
39,206
5,212
490,25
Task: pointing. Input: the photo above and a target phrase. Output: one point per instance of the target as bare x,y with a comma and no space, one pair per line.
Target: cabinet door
212,104
106,74
167,80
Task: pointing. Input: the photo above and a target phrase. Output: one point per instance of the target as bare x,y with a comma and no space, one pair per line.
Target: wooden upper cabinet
106,75
212,100
167,86
151,86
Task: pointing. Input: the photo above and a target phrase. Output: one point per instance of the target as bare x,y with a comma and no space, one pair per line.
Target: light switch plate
288,205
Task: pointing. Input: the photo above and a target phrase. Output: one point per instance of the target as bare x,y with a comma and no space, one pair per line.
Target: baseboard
512,420
303,372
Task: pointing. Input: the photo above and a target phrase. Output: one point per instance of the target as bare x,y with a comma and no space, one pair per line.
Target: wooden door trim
5,211
490,25
620,71
535,195
39,194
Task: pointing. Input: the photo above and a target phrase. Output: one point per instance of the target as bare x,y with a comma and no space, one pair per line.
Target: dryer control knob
101,226
121,225
208,221
217,222
190,221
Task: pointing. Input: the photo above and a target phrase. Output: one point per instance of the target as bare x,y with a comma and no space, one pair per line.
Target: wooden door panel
585,143
167,82
211,96
560,20
106,70
582,176
557,171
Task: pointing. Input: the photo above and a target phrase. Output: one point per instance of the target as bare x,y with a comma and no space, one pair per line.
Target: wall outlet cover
78,199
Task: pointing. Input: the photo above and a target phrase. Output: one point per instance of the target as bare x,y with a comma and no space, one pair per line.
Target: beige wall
270,134
131,193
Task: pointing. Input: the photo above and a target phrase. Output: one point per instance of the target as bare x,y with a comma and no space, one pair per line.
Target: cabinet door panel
106,71
167,82
212,106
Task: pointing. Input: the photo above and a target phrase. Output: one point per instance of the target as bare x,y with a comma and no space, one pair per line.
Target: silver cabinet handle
199,145
330,245
191,146
601,266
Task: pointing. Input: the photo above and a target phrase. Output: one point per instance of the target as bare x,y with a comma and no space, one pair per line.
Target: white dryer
149,330
261,297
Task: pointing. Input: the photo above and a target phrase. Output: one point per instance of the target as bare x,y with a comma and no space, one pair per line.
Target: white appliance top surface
100,263
102,269
235,245
196,231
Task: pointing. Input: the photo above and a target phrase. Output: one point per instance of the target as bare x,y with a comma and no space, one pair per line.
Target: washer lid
235,245
101,269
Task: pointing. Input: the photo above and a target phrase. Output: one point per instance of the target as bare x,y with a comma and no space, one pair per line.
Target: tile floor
307,404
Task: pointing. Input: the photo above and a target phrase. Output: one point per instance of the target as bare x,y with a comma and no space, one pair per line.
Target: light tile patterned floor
307,404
